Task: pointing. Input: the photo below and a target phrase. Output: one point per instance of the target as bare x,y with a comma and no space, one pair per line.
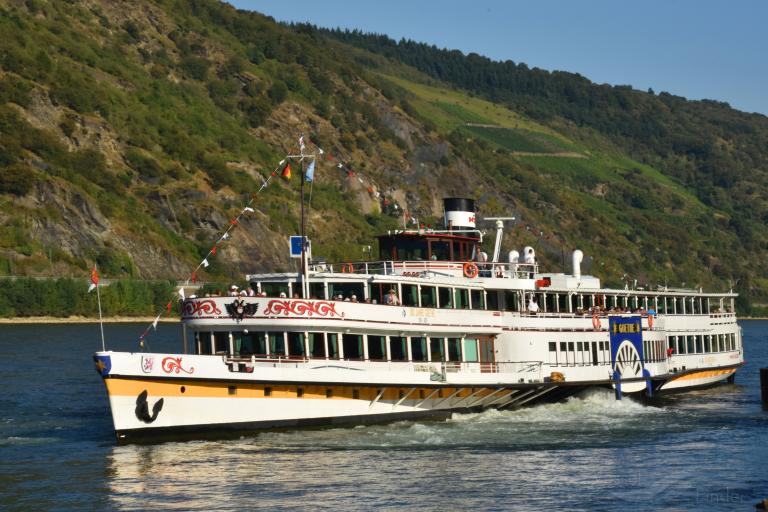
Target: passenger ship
323,346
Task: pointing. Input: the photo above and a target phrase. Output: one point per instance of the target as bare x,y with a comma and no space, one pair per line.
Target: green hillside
132,132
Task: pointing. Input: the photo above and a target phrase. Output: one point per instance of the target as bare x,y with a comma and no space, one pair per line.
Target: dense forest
132,132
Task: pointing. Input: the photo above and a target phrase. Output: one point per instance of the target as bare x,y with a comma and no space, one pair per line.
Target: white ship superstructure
328,346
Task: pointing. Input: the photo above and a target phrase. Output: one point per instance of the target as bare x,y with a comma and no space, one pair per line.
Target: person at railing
353,298
533,306
233,291
249,292
391,298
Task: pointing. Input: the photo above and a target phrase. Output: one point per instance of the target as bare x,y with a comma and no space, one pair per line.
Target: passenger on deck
353,298
283,295
530,258
391,298
533,306
233,291
249,292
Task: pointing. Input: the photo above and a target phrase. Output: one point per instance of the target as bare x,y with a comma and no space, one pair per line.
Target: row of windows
702,343
581,353
428,296
332,345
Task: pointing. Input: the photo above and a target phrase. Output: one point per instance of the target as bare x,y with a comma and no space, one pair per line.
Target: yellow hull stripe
181,388
704,374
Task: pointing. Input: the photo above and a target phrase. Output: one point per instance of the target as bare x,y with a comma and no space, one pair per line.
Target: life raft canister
596,322
470,270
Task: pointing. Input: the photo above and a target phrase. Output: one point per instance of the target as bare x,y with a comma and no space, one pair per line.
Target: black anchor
142,408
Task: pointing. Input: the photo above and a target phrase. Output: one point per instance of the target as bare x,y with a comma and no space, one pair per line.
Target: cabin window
333,345
204,343
410,295
563,302
446,297
412,250
690,344
439,250
493,300
397,349
344,291
377,350
378,291
428,296
316,291
454,349
276,343
512,301
671,343
316,344
699,346
418,348
353,346
221,342
275,289
436,349
553,352
707,344
461,298
250,344
296,344
470,350
478,299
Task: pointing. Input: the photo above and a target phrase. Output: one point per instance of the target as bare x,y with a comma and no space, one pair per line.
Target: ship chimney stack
578,256
459,213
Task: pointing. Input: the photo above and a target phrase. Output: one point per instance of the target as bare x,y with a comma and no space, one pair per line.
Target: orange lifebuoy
596,322
650,321
470,270
347,268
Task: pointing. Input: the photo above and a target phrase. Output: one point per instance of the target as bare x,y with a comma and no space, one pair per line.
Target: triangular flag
193,278
168,306
181,293
341,165
301,143
154,324
213,250
94,280
205,263
287,171
225,236
321,150
234,222
248,209
311,171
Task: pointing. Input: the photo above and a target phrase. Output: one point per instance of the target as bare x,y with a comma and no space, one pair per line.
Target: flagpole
304,270
101,320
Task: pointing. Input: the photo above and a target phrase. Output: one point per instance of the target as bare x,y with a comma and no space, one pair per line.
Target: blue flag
311,171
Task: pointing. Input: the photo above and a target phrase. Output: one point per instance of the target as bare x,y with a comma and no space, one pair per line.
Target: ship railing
484,269
527,369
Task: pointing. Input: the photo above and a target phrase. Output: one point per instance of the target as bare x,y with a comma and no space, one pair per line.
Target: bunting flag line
205,263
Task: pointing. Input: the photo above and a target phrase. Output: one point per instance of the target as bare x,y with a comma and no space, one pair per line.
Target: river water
703,450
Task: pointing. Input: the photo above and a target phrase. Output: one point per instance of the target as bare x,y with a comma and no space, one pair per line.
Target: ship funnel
578,256
459,213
